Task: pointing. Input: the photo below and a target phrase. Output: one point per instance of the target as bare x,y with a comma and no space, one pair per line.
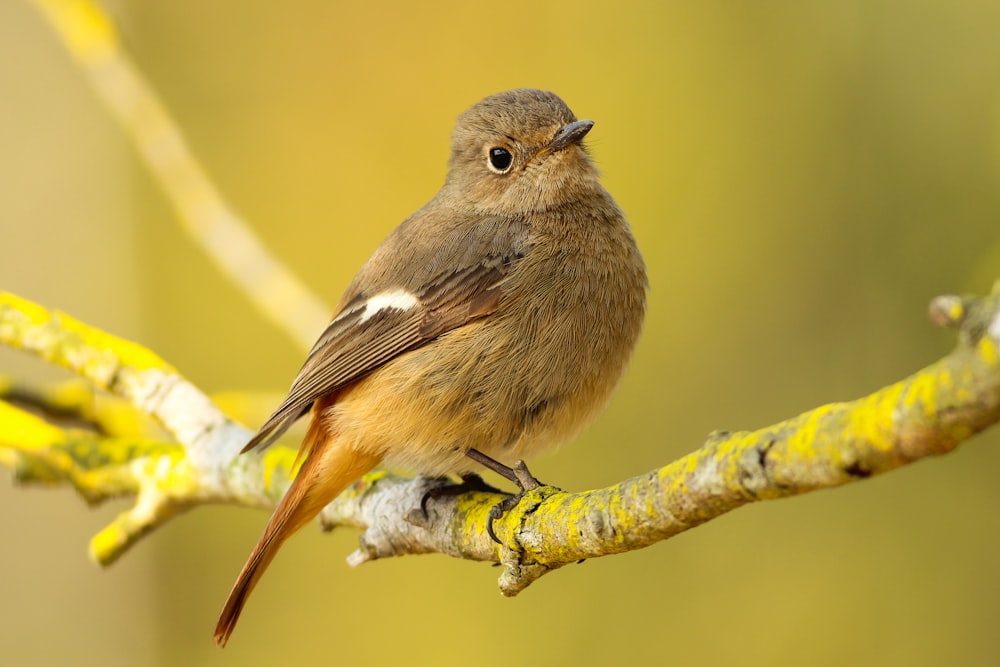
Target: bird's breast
520,380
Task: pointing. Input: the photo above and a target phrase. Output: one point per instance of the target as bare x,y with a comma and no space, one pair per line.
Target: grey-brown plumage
498,317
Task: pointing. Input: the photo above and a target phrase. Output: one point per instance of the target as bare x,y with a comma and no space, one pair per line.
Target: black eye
500,159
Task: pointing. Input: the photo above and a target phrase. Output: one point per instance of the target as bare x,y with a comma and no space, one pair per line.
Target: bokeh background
802,176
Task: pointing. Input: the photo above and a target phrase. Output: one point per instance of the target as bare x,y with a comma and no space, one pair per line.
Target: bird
491,325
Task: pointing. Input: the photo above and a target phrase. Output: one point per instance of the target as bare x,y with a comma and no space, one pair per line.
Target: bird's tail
328,469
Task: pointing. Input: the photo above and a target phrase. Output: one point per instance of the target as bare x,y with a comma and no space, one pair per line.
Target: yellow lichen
956,311
23,431
873,419
922,391
105,544
988,351
277,460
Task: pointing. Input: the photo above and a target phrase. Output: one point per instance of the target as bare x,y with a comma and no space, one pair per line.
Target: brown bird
492,324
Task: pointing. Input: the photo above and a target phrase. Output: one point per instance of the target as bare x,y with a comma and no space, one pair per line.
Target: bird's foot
519,475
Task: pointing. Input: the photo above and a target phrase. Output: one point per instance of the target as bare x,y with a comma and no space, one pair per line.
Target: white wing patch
397,299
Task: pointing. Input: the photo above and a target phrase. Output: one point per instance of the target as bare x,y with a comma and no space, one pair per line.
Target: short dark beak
570,134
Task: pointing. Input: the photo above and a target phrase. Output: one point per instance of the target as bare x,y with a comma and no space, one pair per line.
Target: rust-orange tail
328,469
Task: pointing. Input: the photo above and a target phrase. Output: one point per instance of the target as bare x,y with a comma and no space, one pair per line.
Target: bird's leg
519,475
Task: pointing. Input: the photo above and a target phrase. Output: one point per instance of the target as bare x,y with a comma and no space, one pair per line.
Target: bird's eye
500,160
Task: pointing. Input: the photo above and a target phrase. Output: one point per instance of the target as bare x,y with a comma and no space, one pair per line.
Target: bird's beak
570,134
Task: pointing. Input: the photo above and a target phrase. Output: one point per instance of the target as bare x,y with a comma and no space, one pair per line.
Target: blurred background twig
208,219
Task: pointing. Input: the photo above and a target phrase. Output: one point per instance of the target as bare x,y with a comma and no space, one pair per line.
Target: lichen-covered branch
199,466
126,370
928,413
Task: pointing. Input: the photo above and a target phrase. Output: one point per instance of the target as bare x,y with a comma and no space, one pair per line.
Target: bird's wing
372,328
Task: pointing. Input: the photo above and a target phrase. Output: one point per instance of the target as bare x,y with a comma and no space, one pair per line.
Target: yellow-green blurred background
802,177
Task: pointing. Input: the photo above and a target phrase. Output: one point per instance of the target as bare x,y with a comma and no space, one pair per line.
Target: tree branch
928,413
